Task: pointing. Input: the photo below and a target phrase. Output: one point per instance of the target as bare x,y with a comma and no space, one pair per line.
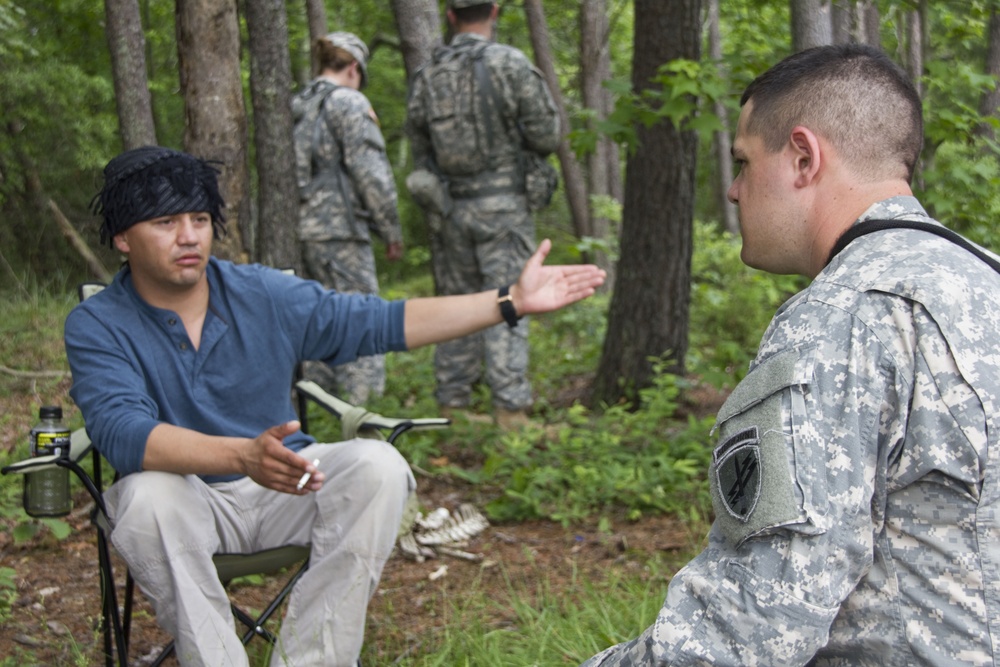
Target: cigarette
305,478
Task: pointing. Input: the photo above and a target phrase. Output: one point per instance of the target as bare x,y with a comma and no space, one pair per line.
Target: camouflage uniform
489,234
346,189
856,481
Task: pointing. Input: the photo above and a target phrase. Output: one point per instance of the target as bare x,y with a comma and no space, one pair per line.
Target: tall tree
127,45
989,104
810,24
419,26
208,48
602,165
914,43
869,23
573,182
721,141
649,308
842,21
270,88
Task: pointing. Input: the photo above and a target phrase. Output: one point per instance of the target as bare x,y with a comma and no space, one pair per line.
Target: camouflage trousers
483,245
349,267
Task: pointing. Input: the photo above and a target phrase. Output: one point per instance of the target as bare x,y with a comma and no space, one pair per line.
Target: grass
534,622
643,460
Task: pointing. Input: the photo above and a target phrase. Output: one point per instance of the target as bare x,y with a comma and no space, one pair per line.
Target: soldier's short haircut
473,14
853,95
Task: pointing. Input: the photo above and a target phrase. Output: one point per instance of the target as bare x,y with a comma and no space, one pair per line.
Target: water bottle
46,492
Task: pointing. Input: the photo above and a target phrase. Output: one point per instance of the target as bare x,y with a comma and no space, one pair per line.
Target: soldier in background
856,479
346,192
474,112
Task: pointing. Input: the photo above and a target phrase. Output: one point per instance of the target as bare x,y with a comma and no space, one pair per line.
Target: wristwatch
506,303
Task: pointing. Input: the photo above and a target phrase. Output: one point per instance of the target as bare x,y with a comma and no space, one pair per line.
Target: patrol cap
461,4
353,45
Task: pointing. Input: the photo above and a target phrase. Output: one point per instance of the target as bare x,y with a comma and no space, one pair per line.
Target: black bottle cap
50,412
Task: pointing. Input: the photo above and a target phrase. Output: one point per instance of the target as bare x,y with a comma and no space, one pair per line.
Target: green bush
731,305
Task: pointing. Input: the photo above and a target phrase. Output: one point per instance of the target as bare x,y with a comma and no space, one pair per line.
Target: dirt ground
57,603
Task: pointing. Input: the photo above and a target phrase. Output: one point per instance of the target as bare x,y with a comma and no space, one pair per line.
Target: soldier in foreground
856,477
476,115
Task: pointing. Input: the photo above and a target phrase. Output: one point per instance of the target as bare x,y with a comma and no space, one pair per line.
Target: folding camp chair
116,622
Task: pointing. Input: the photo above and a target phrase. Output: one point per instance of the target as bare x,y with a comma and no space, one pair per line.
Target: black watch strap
506,302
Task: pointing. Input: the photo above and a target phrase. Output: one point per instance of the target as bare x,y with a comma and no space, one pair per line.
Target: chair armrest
356,419
79,447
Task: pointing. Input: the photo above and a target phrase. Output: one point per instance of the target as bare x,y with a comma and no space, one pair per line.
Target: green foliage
8,592
533,622
681,93
643,460
972,169
731,305
58,117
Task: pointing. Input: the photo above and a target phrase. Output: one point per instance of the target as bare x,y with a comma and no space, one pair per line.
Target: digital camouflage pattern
483,245
349,267
489,234
347,190
855,481
342,152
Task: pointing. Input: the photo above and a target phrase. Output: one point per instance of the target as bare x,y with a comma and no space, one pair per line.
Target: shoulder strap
345,195
869,226
487,92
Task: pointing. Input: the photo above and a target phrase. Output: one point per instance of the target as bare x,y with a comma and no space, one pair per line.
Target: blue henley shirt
134,366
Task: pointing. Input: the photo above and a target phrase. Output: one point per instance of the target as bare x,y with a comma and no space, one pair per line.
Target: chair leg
127,612
110,618
256,626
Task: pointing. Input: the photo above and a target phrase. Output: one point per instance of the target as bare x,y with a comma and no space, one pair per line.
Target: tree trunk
316,17
215,128
419,26
127,45
573,182
810,24
914,49
842,21
869,23
649,308
93,262
270,87
722,143
989,105
603,167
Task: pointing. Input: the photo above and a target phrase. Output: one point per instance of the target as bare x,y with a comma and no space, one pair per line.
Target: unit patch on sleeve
753,467
737,471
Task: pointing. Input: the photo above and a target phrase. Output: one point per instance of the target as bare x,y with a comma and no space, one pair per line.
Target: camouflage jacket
342,168
525,117
856,479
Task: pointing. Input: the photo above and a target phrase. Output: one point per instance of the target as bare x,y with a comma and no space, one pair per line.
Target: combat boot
510,420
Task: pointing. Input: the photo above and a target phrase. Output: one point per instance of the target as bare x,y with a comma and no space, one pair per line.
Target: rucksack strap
339,168
869,226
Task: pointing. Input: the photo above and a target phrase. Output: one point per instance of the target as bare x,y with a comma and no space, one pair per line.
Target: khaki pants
168,526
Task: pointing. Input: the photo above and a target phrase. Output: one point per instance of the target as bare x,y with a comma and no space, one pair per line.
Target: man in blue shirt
181,368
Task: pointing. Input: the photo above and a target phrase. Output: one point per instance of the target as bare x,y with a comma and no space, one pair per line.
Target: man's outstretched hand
541,289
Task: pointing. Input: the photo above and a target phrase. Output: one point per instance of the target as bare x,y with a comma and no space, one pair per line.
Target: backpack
454,103
306,136
459,88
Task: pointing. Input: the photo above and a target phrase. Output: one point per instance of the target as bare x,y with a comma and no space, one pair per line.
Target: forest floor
57,601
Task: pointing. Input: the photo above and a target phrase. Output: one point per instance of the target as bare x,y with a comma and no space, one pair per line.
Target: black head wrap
152,182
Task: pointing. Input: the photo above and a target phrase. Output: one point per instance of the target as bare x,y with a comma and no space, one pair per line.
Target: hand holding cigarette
306,477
